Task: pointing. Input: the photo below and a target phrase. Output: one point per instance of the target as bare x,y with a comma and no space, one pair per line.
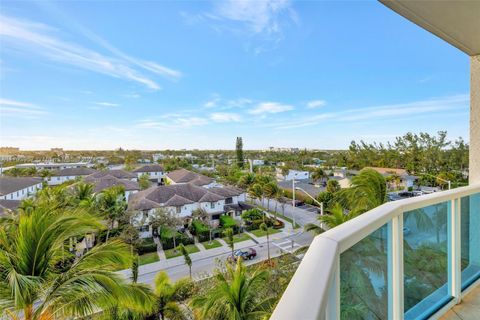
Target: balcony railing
408,259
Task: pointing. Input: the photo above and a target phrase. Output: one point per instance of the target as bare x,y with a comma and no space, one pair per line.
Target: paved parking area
308,208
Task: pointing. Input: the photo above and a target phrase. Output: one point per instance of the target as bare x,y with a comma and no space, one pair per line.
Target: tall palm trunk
28,311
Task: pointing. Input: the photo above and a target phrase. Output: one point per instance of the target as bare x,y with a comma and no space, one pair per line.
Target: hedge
228,222
200,230
166,237
146,246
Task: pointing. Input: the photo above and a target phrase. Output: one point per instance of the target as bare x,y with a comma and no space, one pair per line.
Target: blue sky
197,74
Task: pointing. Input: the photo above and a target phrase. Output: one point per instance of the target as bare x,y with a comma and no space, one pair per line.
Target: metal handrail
306,296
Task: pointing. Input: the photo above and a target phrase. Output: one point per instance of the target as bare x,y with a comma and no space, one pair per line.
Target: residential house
103,182
153,171
182,176
63,175
184,198
405,180
117,173
12,188
8,206
293,174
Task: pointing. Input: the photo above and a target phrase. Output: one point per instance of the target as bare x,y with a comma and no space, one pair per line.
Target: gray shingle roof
6,205
150,168
82,171
13,184
227,192
120,174
172,195
108,181
186,176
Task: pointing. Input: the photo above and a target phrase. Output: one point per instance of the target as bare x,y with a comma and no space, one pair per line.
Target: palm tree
256,191
34,279
367,191
236,296
246,180
269,190
318,174
170,295
264,228
186,257
334,217
112,205
229,235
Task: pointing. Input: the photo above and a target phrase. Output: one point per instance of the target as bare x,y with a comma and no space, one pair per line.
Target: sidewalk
177,261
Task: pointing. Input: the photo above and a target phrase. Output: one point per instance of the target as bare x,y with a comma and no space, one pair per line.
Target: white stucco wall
474,162
23,193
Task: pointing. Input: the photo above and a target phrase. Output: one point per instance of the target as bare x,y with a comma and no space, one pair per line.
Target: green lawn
148,258
172,253
261,233
214,244
239,238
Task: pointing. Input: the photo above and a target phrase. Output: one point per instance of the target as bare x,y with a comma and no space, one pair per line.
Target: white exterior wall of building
185,211
23,193
151,175
56,180
297,175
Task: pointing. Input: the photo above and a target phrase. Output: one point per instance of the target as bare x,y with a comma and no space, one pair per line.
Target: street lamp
293,202
311,197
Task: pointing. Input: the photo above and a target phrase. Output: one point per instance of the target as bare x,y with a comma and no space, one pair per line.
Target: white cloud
217,102
258,16
172,122
225,117
107,104
39,39
270,107
18,109
314,104
385,112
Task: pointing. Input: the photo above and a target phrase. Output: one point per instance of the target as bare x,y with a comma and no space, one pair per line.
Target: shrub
252,214
228,222
200,230
166,237
146,246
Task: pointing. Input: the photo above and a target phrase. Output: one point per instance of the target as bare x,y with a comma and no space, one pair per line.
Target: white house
63,175
153,171
12,188
258,162
157,157
297,175
181,200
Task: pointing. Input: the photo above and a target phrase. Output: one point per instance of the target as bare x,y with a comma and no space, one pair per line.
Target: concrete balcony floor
468,309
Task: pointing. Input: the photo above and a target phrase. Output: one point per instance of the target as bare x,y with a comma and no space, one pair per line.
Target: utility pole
293,202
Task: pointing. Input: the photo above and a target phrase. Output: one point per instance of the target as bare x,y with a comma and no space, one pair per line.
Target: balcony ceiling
456,22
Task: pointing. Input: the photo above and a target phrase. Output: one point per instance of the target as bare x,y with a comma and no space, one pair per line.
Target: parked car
244,254
298,203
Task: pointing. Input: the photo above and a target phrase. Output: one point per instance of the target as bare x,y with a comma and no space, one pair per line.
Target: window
144,228
228,201
212,205
215,217
178,209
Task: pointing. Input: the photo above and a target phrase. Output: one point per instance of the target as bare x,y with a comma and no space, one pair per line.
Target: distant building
153,171
294,174
405,180
63,175
258,162
54,165
183,176
12,188
102,182
117,173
